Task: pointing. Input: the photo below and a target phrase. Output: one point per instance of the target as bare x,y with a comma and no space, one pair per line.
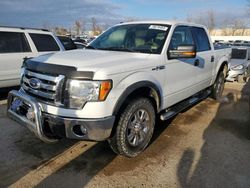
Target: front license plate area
20,107
15,105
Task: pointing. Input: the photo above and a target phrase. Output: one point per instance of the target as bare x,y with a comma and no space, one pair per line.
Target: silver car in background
239,65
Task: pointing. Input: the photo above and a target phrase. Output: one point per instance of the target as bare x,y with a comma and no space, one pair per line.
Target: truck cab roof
163,22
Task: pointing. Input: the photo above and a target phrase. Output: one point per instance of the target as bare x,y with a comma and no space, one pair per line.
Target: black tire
218,86
241,79
135,128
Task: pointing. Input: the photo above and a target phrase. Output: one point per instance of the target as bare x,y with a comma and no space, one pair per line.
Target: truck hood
94,60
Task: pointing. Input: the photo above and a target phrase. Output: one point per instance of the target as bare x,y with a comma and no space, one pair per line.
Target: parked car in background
238,41
246,44
19,43
221,46
239,65
91,39
80,45
67,42
218,41
83,41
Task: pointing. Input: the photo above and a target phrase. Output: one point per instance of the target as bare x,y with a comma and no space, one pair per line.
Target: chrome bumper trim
36,126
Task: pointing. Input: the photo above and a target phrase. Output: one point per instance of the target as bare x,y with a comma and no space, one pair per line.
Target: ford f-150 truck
115,89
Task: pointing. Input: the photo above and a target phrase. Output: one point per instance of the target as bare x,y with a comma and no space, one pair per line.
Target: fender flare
134,87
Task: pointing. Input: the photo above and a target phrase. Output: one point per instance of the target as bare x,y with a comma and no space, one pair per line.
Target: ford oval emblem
34,83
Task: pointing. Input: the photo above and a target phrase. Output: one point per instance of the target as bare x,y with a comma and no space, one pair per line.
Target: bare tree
208,19
226,31
97,30
238,25
243,27
60,31
94,24
82,25
78,27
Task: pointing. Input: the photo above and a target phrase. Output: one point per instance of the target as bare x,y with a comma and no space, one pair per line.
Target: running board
176,109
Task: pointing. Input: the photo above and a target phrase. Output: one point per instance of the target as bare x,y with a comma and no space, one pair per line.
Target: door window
44,43
181,36
201,39
13,42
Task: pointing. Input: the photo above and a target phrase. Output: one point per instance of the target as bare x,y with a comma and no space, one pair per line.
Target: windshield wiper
147,51
117,49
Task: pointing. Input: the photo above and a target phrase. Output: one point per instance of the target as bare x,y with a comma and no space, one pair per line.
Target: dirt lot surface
208,145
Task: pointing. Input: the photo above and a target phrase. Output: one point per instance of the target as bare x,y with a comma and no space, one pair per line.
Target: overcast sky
37,13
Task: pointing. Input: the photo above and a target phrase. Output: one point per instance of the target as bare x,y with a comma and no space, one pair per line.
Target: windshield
239,54
144,38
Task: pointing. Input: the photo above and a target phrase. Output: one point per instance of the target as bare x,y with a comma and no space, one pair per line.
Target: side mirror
187,51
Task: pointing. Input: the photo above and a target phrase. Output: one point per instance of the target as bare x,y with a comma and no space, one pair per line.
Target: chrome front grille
45,87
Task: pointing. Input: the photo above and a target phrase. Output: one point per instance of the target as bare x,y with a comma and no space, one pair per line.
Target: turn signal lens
188,53
104,90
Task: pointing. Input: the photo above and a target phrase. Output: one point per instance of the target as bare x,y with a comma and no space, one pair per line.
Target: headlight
79,92
238,67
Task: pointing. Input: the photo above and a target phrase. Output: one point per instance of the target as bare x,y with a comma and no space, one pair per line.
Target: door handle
197,62
212,58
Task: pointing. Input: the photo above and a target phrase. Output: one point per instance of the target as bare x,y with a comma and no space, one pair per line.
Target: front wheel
135,128
218,86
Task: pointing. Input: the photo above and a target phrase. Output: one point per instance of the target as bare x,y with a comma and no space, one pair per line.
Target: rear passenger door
13,48
204,57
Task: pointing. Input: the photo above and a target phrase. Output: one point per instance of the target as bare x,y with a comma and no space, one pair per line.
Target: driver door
180,75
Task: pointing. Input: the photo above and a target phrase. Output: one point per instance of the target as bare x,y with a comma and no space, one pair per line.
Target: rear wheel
135,128
218,86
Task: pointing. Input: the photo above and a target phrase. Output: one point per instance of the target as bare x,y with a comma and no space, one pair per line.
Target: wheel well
224,68
146,92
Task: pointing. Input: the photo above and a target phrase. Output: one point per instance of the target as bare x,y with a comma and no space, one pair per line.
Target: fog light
30,114
79,130
83,129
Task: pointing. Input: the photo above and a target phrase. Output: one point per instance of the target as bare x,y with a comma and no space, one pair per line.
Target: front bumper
49,127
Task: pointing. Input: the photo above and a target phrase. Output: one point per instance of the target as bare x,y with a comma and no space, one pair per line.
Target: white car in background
19,43
239,65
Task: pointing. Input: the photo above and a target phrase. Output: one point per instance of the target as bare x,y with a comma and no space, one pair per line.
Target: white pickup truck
114,89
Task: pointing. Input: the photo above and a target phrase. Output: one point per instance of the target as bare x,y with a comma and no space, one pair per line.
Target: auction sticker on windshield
158,27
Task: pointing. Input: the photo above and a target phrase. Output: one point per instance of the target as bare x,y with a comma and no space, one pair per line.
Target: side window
201,39
44,42
67,43
181,36
13,42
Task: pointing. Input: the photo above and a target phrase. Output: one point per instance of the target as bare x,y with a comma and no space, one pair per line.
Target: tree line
79,27
228,27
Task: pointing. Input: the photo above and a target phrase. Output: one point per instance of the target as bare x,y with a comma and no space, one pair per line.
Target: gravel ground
208,145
